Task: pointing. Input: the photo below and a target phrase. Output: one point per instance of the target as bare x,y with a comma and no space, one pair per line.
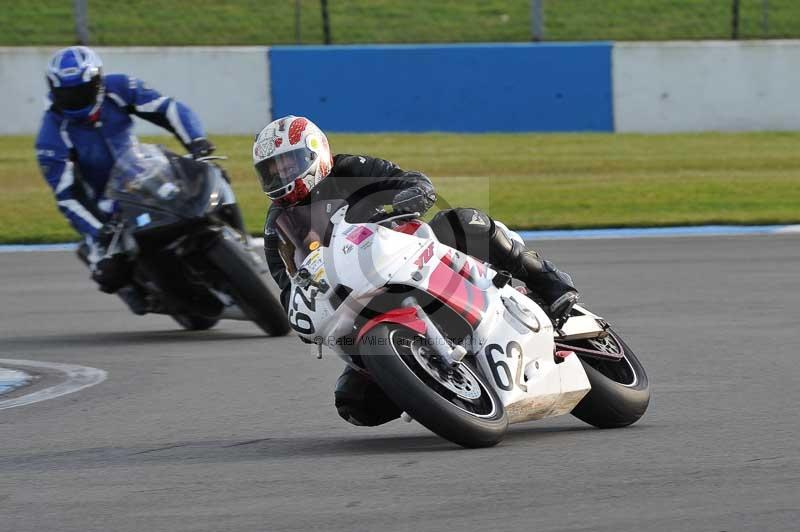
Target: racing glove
413,199
201,147
104,236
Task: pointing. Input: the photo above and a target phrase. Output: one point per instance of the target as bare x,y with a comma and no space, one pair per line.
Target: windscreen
304,228
144,169
145,174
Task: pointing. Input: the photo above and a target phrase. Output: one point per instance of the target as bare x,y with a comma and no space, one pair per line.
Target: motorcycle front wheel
248,287
456,404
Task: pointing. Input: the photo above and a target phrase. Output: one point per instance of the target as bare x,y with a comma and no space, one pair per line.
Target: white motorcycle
445,336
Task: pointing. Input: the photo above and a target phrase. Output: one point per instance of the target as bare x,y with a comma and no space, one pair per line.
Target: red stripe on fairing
479,299
448,259
408,228
464,272
457,292
401,316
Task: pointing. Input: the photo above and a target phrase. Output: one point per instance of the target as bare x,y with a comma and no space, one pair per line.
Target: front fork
452,356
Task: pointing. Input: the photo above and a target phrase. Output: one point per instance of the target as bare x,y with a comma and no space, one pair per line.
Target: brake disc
458,379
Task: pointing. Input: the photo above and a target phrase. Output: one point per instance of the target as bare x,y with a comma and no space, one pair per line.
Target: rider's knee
466,229
361,402
112,273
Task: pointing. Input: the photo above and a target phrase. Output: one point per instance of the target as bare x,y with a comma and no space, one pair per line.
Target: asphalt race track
227,430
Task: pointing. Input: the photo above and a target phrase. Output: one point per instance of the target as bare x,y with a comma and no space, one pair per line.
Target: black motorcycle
180,236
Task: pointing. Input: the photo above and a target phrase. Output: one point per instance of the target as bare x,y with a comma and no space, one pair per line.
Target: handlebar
206,158
391,217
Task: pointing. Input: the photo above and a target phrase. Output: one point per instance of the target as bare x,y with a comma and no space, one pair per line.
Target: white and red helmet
291,156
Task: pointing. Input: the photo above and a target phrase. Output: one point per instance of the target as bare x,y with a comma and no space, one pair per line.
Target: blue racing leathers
76,157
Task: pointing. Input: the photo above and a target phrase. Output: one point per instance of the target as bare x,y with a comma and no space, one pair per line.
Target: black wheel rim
620,371
462,386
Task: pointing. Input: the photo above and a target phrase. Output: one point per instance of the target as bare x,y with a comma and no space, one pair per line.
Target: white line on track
12,378
76,378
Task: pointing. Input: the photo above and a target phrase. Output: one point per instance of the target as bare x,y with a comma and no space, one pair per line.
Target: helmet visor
77,97
277,173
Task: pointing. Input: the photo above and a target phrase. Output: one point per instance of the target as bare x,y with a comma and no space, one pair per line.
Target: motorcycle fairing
401,316
516,356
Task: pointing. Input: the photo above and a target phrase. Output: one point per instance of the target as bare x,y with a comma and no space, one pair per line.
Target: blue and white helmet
75,77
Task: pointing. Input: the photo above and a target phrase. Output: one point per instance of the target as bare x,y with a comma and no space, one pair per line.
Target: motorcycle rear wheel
458,406
620,390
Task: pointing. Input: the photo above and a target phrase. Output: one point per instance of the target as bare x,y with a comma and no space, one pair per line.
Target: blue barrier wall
465,88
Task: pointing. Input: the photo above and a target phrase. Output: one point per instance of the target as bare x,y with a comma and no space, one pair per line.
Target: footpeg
561,309
405,417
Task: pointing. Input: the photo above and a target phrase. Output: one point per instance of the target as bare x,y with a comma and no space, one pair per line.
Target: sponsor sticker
143,219
359,235
313,262
424,257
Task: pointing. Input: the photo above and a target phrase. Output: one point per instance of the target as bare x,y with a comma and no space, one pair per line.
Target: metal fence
265,22
647,20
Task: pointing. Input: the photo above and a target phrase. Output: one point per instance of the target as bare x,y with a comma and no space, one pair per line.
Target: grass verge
262,22
526,180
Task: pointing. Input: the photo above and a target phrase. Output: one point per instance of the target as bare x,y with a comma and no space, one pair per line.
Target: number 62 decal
506,381
299,320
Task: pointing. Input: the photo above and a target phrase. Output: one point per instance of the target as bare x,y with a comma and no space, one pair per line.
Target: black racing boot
540,276
361,402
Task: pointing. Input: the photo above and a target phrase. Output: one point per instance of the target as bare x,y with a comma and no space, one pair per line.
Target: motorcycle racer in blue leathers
86,126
